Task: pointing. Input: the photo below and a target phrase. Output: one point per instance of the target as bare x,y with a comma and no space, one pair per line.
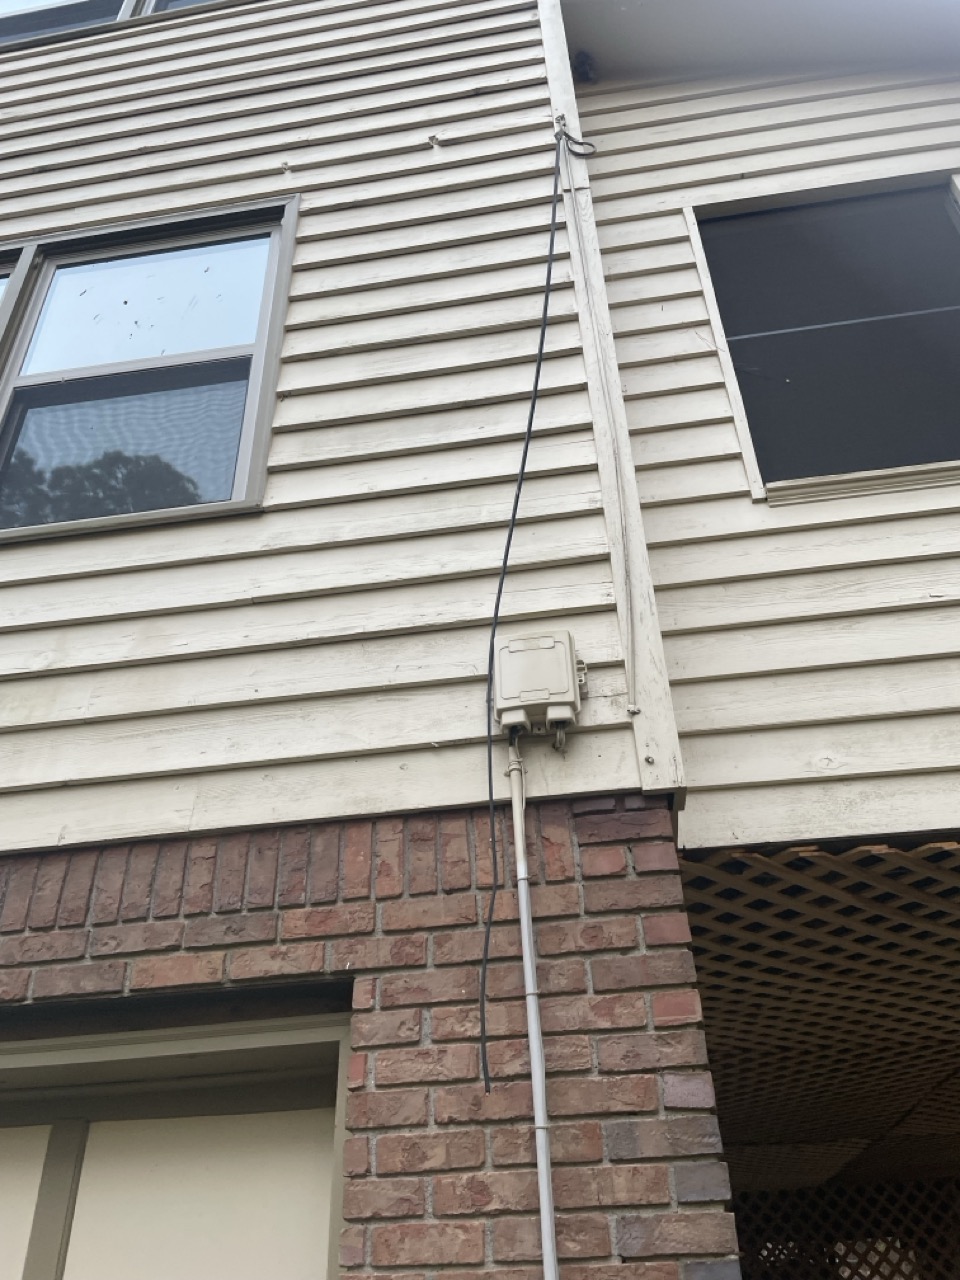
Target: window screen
21,20
132,391
843,321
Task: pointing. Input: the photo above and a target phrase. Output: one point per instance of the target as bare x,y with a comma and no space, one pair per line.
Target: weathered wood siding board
324,657
813,649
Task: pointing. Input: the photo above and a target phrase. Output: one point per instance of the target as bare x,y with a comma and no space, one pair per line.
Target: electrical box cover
536,683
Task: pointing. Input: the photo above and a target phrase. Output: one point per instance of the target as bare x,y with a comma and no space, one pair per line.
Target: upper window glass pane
3,284
21,20
843,321
196,298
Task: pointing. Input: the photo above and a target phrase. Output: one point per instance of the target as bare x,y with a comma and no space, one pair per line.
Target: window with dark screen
843,323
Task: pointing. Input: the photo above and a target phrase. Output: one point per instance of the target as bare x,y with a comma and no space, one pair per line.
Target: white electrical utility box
536,682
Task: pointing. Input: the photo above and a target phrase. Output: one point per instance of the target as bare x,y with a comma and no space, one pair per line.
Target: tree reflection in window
116,483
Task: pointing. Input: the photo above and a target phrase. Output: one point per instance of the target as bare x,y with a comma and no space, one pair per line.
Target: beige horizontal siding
326,656
813,648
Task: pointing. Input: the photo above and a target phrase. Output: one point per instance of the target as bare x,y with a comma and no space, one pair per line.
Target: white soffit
664,39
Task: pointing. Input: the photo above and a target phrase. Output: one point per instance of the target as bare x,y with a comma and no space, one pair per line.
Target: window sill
854,483
130,521
121,24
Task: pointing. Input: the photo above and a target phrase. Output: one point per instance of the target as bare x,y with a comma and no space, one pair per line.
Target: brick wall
439,1175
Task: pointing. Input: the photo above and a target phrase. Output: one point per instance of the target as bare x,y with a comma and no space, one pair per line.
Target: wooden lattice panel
879,1231
830,982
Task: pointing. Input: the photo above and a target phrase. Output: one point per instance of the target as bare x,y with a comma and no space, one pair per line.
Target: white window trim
33,1066
808,488
23,298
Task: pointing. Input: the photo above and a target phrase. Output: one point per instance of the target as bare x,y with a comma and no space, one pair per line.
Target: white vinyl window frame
808,488
45,1081
30,267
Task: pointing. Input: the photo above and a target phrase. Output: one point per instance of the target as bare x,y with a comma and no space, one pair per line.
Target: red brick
384,1198
430,1064
455,869
641,894
76,888
16,900
577,1143
292,867
677,1233
654,857
364,993
352,1240
46,891
98,978
177,970
168,882
443,986
328,922
604,860
422,854
593,1013
430,1152
658,1139
138,882
556,842
427,1244
627,973
619,827
161,935
465,946
262,862
231,872
356,1157
357,861
621,1271
587,935
108,886
199,876
611,1185
595,1097
273,962
468,1104
567,977
432,913
688,1090
546,900
388,854
392,1109
372,1029
377,953
358,1070
225,931
13,984
485,1193
561,1053
667,930
652,1051
462,1022
323,878
579,1235
674,1008
41,948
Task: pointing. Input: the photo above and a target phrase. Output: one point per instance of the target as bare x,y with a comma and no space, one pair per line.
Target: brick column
439,1175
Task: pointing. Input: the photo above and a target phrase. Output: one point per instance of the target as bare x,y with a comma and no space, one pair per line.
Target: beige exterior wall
326,657
812,646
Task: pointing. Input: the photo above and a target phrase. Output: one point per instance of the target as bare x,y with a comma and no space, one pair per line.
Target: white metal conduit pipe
538,1075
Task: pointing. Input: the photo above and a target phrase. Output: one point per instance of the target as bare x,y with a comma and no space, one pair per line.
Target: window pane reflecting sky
3,284
165,303
15,6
